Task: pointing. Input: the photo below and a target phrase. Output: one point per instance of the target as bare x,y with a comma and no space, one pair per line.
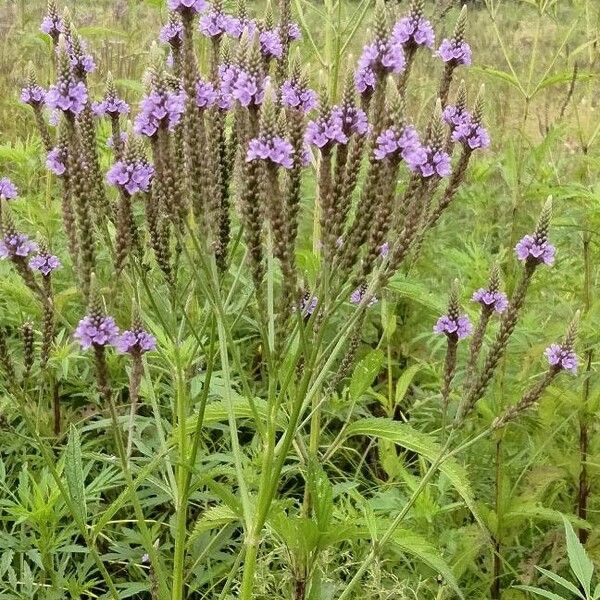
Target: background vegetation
540,61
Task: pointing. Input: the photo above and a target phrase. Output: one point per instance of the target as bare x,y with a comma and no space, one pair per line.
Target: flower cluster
326,130
206,95
472,135
16,245
414,30
562,357
159,109
275,149
458,327
67,96
97,330
535,249
8,190
247,88
378,59
404,143
270,43
356,297
52,25
172,33
491,299
132,175
294,94
81,61
455,52
110,106
215,23
187,6
44,263
455,116
55,161
135,341
354,119
33,94
429,161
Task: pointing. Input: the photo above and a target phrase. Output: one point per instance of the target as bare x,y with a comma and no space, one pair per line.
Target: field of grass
310,459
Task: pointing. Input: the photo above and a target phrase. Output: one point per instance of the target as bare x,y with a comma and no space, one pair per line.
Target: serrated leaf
579,561
74,473
364,373
213,518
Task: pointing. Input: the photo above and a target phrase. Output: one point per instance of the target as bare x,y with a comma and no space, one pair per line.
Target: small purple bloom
214,24
44,263
270,44
16,245
248,89
384,249
492,300
68,96
172,33
414,31
404,143
187,6
308,304
277,150
563,358
530,249
326,130
455,116
455,52
473,135
296,95
111,107
132,176
135,341
83,63
378,59
427,161
459,327
8,190
34,95
236,27
293,31
206,95
359,293
52,25
159,109
55,161
354,119
96,330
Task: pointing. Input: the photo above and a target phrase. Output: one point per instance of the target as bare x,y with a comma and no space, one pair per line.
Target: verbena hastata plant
236,329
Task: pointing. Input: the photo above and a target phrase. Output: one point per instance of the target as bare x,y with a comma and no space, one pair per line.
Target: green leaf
213,518
407,437
580,562
539,592
418,293
74,473
560,580
321,493
404,381
364,373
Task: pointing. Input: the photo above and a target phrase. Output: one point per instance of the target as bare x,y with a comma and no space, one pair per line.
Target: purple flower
354,119
172,33
308,304
293,31
538,251
561,357
326,130
33,94
248,89
384,249
187,6
295,95
53,25
459,327
455,52
270,43
492,300
110,106
159,109
378,59
214,24
68,96
236,27
206,95
8,190
428,161
82,62
404,143
96,330
132,176
277,150
359,293
44,263
16,245
414,30
455,116
55,161
135,341
472,134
